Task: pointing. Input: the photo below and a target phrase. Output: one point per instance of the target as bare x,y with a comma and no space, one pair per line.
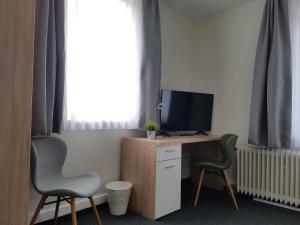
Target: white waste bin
118,193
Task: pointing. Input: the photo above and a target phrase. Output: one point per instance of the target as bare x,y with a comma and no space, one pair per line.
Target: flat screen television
185,111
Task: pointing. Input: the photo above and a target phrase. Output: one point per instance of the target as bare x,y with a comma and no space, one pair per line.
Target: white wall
216,55
177,49
225,47
99,151
224,60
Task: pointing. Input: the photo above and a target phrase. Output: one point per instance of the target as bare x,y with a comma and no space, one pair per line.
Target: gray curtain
270,118
49,67
151,61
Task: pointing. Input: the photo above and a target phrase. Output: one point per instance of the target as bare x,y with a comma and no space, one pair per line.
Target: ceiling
200,8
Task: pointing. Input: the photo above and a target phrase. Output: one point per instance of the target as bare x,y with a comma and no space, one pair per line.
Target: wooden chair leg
196,182
225,185
95,211
73,210
228,184
38,209
199,187
56,210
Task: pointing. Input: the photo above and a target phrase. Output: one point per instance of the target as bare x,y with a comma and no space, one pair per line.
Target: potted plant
151,127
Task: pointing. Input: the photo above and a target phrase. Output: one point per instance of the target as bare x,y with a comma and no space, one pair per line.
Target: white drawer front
166,152
168,187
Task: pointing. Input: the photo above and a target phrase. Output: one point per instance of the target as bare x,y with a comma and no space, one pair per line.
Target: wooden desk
154,168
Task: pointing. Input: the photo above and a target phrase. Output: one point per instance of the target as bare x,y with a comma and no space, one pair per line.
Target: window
102,65
294,12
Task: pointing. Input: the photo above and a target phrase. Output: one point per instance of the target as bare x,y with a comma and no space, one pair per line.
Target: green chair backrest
228,142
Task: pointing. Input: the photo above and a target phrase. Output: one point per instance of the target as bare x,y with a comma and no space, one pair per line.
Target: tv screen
186,111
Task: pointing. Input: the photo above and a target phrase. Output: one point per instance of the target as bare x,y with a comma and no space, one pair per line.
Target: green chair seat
210,165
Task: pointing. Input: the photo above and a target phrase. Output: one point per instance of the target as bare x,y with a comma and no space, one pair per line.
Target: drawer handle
169,167
169,151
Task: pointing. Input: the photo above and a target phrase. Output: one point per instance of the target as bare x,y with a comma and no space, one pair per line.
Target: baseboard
277,204
47,213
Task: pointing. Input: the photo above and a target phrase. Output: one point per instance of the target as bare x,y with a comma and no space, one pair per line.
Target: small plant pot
151,134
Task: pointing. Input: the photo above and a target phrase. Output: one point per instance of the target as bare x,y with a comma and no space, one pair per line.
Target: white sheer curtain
102,64
294,11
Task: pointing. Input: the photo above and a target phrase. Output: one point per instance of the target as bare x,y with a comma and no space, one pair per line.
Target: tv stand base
164,133
201,132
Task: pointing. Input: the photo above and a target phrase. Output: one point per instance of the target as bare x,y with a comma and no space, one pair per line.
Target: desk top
175,139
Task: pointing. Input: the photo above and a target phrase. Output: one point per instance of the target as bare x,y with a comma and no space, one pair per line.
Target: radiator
269,174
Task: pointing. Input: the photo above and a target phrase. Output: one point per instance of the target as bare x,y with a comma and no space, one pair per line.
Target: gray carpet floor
215,208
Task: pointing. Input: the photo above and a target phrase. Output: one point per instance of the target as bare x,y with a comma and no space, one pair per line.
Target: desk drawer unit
154,169
168,187
167,152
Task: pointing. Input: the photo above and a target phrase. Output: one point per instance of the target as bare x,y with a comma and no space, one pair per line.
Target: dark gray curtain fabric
49,67
271,109
151,61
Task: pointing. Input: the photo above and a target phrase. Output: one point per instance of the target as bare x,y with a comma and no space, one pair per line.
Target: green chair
228,142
